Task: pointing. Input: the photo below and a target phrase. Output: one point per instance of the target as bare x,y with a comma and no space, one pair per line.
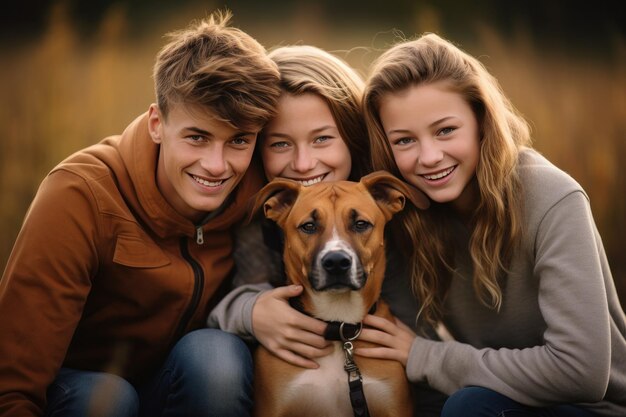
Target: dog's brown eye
361,225
308,227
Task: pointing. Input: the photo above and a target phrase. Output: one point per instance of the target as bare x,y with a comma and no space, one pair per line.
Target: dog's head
334,244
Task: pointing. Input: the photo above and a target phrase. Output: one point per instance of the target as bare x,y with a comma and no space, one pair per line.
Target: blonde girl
318,134
508,256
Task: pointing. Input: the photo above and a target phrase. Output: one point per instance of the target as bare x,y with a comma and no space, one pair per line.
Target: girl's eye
446,131
241,140
322,139
279,145
403,141
309,228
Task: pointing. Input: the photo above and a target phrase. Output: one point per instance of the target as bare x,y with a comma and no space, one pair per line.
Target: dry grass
62,93
577,108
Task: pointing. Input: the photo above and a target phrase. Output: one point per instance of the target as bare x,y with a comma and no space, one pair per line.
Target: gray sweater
560,336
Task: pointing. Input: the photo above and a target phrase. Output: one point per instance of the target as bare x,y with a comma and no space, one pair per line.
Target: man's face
201,158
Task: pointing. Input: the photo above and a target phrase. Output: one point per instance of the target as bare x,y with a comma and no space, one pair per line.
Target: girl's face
303,143
434,136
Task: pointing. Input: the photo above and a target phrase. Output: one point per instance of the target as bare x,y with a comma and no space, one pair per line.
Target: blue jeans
207,373
483,402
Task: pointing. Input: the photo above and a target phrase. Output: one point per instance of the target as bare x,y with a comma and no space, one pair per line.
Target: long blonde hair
496,221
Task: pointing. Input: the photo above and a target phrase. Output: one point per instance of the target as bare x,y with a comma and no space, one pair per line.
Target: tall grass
63,92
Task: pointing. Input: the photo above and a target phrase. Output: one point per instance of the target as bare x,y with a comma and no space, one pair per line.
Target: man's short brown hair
218,67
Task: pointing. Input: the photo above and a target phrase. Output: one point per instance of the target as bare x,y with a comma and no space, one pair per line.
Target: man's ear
277,199
155,122
390,192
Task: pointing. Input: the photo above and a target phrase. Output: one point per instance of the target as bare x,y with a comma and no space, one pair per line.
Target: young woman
318,135
508,257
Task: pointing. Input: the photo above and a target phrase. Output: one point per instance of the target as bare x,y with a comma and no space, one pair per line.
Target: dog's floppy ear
277,199
390,192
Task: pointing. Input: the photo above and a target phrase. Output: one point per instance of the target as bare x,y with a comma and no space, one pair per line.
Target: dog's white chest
324,391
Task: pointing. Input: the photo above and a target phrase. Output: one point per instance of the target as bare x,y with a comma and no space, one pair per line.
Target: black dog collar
335,330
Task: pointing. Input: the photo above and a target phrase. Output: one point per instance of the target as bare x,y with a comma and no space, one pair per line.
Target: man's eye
195,138
242,140
361,226
308,228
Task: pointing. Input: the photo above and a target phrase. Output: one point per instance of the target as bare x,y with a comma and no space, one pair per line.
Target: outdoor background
73,72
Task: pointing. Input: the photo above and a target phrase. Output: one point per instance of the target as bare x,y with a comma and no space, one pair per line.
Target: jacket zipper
198,275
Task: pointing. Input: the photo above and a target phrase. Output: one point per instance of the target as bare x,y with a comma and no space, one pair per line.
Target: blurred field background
74,72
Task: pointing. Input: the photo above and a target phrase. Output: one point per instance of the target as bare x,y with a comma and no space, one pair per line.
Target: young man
127,246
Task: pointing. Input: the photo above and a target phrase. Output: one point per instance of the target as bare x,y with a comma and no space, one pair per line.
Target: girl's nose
430,153
304,160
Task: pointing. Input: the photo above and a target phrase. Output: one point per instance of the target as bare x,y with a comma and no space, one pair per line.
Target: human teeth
315,180
439,175
207,183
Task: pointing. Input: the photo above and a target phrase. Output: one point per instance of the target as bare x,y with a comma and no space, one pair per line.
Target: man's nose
213,161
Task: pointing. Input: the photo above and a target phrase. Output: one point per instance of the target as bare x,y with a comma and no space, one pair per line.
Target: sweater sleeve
43,290
572,364
233,314
257,266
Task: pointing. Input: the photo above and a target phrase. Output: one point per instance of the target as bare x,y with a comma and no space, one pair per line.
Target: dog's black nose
336,262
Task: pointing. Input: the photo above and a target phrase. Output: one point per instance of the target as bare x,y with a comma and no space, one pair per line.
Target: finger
310,324
309,352
379,323
299,320
376,352
308,338
376,336
287,291
296,360
298,334
403,328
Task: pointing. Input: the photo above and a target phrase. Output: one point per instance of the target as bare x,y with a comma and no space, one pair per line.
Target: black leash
346,333
355,379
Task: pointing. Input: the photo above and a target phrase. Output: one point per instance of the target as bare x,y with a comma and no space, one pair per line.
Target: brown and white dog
334,248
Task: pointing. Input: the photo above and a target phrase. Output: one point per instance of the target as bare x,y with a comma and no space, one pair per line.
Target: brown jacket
105,275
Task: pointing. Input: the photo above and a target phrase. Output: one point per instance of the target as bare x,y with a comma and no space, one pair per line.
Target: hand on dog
394,337
292,336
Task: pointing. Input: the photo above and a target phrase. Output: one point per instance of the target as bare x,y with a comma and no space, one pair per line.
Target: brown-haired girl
507,257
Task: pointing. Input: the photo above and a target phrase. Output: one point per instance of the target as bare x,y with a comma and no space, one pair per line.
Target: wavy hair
496,221
308,69
220,68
